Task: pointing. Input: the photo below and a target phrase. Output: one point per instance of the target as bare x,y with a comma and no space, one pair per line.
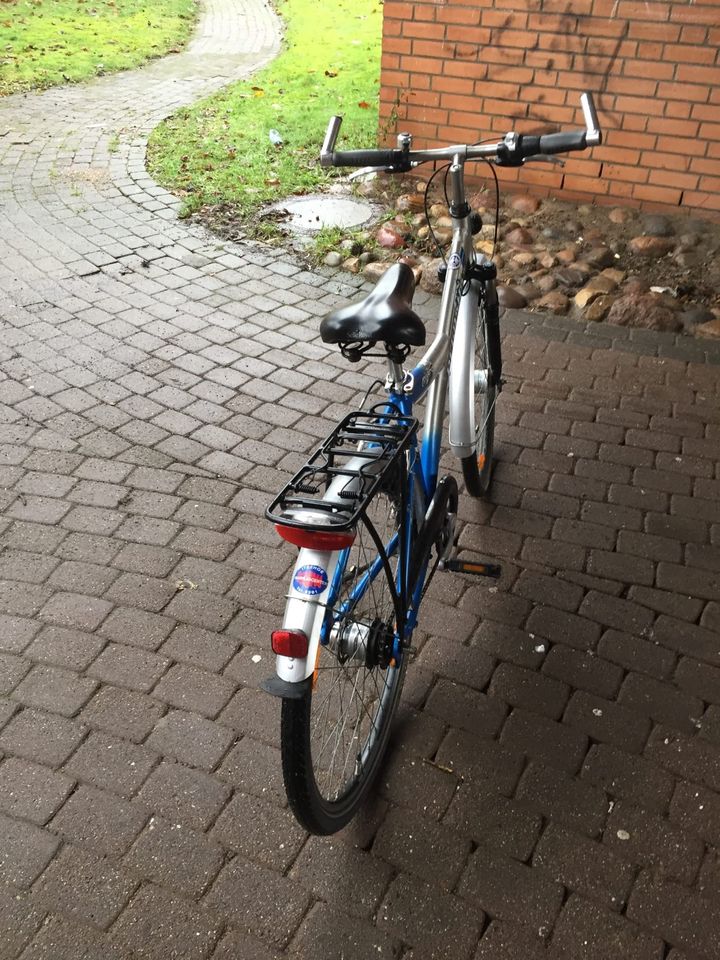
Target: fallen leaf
330,73
363,104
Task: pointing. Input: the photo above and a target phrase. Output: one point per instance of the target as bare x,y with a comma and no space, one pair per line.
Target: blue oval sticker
310,580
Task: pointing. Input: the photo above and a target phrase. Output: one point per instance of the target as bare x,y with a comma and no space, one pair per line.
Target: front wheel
477,467
334,737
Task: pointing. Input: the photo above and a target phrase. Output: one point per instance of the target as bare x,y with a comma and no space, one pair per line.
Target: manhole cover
308,214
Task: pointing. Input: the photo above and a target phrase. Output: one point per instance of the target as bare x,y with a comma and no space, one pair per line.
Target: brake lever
367,171
364,172
545,158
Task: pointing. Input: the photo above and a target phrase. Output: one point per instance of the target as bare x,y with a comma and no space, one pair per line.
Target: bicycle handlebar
513,150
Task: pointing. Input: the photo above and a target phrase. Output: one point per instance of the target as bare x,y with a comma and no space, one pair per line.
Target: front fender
461,386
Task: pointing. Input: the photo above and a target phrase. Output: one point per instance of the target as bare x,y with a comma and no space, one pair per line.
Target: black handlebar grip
368,158
562,142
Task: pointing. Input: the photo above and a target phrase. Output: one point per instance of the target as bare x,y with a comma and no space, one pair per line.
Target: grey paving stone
168,401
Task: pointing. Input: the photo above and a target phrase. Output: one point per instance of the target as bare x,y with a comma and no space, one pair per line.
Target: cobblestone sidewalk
554,787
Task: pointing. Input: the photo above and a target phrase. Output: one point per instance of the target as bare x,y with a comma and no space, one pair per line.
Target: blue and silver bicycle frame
444,373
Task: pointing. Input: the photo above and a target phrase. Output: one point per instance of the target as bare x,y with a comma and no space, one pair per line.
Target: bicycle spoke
348,702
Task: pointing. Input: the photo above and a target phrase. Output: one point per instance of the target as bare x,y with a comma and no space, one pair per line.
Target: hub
369,643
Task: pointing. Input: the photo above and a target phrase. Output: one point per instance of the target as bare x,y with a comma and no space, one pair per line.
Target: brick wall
459,70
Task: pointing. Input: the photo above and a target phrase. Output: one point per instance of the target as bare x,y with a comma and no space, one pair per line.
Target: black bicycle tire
314,812
477,468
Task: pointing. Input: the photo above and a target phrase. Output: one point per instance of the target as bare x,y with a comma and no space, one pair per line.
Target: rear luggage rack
376,437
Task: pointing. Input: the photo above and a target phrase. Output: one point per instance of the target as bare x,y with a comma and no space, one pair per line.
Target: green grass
44,43
219,152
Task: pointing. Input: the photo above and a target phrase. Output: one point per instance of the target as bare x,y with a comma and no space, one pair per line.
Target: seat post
396,374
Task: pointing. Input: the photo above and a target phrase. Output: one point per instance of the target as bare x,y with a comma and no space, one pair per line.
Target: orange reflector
289,643
481,461
317,667
316,539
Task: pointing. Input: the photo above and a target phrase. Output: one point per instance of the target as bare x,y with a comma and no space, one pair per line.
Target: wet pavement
553,789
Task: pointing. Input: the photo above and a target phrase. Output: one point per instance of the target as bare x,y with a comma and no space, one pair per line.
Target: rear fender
306,602
308,595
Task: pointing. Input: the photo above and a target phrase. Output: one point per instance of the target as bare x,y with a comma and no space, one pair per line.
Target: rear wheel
333,738
477,468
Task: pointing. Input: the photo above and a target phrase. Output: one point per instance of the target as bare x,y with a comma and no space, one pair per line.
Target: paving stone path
554,788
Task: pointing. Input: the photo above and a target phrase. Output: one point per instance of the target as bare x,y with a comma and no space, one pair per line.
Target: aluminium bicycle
371,517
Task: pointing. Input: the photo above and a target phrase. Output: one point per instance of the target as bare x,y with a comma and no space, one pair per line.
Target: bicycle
372,520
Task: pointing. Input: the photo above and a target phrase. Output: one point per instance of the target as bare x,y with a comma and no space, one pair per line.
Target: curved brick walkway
555,788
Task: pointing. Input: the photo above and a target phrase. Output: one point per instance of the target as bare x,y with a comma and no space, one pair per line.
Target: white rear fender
312,579
305,610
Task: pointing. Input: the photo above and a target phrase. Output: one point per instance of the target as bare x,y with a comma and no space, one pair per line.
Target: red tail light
289,643
316,539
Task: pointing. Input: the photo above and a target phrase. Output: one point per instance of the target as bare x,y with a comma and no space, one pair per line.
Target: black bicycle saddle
384,316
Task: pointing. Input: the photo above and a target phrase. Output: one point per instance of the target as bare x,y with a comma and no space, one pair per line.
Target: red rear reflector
316,539
289,643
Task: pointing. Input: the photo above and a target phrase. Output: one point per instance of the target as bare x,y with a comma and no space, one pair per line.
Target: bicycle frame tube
430,375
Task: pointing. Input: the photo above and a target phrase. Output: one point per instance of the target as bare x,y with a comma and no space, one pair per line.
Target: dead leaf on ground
185,585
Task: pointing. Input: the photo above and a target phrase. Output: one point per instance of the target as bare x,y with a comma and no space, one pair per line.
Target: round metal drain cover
308,214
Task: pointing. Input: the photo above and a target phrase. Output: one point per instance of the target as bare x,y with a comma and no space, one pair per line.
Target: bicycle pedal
493,570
